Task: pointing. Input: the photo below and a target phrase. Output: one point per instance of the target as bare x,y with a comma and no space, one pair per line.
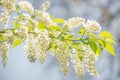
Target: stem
60,33
65,39
51,36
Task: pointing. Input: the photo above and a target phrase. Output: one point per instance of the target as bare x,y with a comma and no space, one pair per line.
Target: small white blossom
42,43
78,64
73,23
42,16
9,37
30,47
22,32
89,59
62,56
92,26
26,6
9,5
4,53
4,19
46,5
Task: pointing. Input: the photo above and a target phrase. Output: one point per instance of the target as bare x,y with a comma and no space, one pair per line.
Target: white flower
4,19
92,26
46,5
8,5
73,23
26,6
9,37
4,53
22,32
62,56
89,59
78,64
42,16
30,47
42,43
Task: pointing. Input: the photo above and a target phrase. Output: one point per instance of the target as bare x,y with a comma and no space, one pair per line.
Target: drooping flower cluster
4,53
8,8
4,19
36,46
89,59
77,64
62,56
42,43
30,48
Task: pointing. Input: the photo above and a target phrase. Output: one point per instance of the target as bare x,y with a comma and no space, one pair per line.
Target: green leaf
50,46
58,20
17,42
1,37
57,28
109,47
85,42
110,40
56,46
92,35
55,49
82,31
99,50
62,38
102,42
93,46
80,56
17,9
106,34
41,26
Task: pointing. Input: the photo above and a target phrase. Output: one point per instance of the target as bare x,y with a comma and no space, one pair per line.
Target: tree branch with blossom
40,32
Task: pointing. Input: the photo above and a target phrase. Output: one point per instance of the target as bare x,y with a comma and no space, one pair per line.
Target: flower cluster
78,64
46,5
92,26
36,46
62,56
42,43
4,19
9,5
9,37
73,23
8,8
26,6
42,16
30,47
23,31
89,59
4,53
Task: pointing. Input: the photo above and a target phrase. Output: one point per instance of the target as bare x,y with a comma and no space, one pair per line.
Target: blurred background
106,12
